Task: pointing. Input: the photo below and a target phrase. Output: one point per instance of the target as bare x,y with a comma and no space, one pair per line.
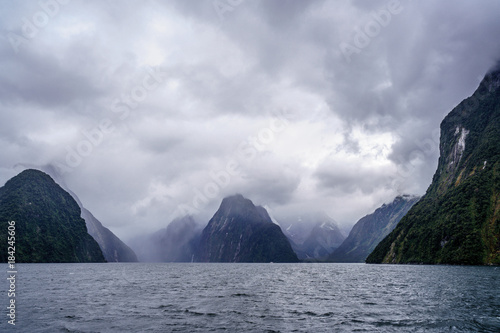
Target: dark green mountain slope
457,221
242,232
371,229
48,223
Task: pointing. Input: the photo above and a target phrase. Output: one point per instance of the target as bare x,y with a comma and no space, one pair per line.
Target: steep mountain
48,226
113,248
457,221
371,229
241,232
175,243
320,240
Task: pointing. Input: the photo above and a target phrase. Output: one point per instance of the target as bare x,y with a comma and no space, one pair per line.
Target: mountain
175,243
241,232
112,247
457,220
314,236
296,229
371,229
48,226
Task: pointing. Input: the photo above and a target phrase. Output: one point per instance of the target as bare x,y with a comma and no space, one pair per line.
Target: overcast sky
153,109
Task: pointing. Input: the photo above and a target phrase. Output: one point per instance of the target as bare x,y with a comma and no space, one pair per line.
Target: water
254,298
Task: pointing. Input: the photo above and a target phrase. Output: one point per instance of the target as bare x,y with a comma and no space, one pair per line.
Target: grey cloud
276,187
41,79
350,177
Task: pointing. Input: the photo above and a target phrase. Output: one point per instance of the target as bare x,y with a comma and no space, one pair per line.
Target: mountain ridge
112,247
241,232
457,220
371,229
48,222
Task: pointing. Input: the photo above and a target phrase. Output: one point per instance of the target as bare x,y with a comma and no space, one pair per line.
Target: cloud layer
151,110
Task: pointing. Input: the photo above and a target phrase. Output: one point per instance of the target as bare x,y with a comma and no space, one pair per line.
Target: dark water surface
253,298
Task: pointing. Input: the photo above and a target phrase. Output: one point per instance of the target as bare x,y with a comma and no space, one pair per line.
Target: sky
155,109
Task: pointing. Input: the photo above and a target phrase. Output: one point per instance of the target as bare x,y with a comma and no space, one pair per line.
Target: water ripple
255,298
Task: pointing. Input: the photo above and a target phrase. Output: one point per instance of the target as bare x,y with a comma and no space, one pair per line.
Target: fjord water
254,298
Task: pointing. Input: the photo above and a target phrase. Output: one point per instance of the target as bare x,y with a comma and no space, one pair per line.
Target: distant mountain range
457,220
238,232
175,243
313,236
371,229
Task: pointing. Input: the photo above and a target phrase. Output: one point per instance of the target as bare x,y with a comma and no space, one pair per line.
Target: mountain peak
237,200
242,232
236,196
53,230
31,175
111,246
186,219
242,209
494,69
492,79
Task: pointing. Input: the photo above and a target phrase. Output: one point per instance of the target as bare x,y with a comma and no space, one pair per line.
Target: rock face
457,221
112,247
175,243
241,232
371,229
48,224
